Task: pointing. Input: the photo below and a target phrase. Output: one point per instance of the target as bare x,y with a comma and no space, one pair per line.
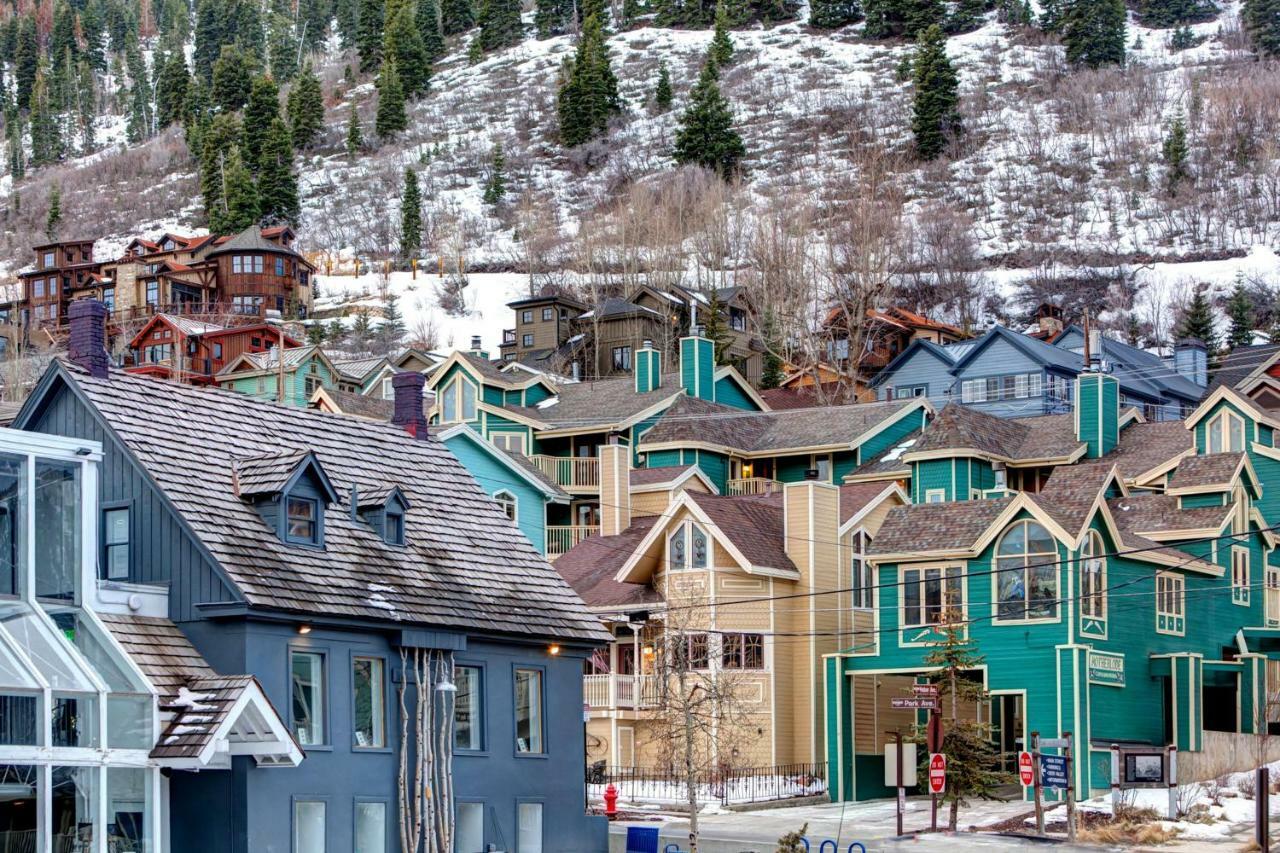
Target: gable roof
257,362
464,566
668,477
1136,368
754,524
1146,448
1210,472
1246,363
591,565
938,527
1241,401
251,239
590,406
359,369
694,421
945,355
961,428
518,464
857,498
1072,492
271,473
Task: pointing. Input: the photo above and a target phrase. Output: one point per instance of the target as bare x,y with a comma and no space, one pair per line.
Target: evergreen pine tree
1093,32
496,186
277,180
588,94
391,117
313,22
715,328
315,334
1050,20
1197,321
355,136
369,33
54,218
392,328
91,25
662,95
305,108
26,60
63,47
427,17
410,217
552,17
216,143
1262,22
935,114
456,16
967,16
46,136
721,45
1240,313
706,136
1174,152
209,37
1170,13
240,197
919,15
231,79
282,44
171,91
403,44
499,24
261,110
347,13
830,14
86,105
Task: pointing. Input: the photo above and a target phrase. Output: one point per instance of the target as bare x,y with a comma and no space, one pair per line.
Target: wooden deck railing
753,486
620,691
563,537
572,472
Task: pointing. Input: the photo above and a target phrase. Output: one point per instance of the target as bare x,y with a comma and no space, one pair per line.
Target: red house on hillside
174,347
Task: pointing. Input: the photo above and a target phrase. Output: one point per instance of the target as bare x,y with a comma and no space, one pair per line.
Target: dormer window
687,547
1225,433
301,521
383,509
507,503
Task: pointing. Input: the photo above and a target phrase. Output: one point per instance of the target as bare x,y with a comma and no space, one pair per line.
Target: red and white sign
937,773
1025,771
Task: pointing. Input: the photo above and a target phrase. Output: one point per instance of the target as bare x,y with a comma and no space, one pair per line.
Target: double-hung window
302,522
1026,576
468,709
526,316
1239,575
1170,603
115,543
306,671
548,314
369,688
928,595
860,583
526,341
529,711
280,266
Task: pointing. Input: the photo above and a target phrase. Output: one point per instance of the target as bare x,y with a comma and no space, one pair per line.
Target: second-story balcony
572,473
620,691
753,486
561,538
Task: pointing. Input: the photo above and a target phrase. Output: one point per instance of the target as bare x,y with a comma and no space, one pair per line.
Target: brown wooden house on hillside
60,268
174,347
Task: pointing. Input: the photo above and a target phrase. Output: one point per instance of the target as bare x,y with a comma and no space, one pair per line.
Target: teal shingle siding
929,474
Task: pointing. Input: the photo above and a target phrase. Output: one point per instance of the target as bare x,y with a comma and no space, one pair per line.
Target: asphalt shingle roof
1242,361
607,401
661,474
251,240
1208,470
1070,492
464,566
959,427
1161,513
591,565
953,526
1145,446
691,419
754,524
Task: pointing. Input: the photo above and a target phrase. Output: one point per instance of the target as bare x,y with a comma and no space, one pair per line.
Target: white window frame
1218,431
505,440
861,573
931,494
1240,571
1171,604
950,575
455,393
1093,603
509,504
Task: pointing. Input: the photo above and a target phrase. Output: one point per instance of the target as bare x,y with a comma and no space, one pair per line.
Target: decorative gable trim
855,520
464,431
730,372
1246,406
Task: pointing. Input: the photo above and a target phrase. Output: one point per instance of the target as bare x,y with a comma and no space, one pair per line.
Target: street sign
914,703
937,773
1026,773
908,765
925,689
1053,771
1053,743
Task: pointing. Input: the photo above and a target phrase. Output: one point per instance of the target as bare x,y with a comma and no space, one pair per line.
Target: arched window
1225,433
458,403
507,501
1026,574
688,547
1093,577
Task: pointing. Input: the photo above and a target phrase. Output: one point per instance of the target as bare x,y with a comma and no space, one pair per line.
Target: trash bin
642,839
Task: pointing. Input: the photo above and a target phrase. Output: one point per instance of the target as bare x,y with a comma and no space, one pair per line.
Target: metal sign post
902,790
937,785
1071,798
1035,781
1261,798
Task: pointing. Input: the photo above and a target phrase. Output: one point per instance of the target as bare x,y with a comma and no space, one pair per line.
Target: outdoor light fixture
446,686
304,629
554,649
647,651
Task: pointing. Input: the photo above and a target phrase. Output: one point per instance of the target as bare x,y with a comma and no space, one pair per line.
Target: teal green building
1117,576
258,374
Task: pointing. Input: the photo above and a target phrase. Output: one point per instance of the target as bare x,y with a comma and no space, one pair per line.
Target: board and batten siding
161,551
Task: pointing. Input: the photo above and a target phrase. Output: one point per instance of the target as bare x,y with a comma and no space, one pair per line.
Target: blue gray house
1011,375
350,568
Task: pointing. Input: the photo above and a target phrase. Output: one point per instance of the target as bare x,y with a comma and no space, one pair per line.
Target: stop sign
937,773
1025,773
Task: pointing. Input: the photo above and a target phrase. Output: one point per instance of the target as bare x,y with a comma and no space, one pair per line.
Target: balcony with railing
573,473
560,538
753,486
620,691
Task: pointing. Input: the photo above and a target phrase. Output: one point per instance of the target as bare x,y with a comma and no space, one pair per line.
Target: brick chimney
87,344
615,488
811,513
408,403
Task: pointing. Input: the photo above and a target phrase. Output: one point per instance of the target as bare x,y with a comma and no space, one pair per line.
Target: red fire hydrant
610,801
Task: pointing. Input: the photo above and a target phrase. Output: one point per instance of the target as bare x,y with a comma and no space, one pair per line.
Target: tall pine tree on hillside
1093,32
277,180
171,91
830,14
355,135
553,17
63,47
403,44
1171,13
217,142
456,16
282,44
935,112
410,217
391,118
369,33
496,185
427,16
46,134
901,18
306,108
54,217
232,79
588,95
1197,321
721,44
1240,313
1262,22
662,95
499,24
706,136
263,108
1174,152
239,209
26,59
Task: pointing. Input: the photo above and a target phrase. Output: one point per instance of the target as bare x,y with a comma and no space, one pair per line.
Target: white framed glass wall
77,718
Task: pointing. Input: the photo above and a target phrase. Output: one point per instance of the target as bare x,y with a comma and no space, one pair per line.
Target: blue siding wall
493,477
999,359
920,368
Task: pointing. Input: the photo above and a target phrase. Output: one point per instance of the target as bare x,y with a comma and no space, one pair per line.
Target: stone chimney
811,514
615,488
408,403
648,369
87,344
698,366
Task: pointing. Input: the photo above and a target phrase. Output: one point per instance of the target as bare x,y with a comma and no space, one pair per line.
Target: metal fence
726,785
